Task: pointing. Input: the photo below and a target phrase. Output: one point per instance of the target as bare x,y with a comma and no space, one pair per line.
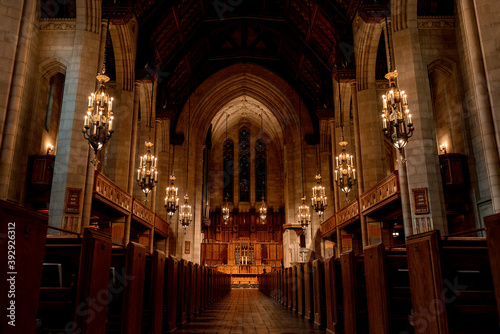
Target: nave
248,311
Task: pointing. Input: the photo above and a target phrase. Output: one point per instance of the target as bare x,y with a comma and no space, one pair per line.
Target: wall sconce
50,149
442,148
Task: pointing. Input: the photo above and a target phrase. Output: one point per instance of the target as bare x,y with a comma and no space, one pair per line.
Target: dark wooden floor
248,311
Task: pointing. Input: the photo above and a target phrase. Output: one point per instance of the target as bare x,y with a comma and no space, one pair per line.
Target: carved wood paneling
348,214
109,193
328,227
143,214
383,193
161,226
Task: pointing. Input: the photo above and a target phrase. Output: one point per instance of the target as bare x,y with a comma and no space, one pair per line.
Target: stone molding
58,24
436,23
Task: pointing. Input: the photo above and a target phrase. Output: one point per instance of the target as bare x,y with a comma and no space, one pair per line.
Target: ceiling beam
181,38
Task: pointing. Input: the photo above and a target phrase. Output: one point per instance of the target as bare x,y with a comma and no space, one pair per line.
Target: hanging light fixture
98,123
318,200
397,123
303,211
225,205
263,207
172,199
185,214
147,174
345,173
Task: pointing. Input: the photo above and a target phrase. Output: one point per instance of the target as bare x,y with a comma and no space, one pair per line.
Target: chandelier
396,118
225,205
147,174
172,199
225,210
345,173
185,214
263,207
303,211
304,215
98,123
318,200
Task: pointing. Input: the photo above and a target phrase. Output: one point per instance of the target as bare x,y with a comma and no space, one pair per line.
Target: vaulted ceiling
186,41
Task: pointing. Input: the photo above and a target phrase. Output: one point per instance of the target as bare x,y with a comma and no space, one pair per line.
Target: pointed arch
228,168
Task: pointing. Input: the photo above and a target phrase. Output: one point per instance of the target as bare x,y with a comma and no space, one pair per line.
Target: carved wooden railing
142,214
161,226
383,193
348,214
328,226
108,192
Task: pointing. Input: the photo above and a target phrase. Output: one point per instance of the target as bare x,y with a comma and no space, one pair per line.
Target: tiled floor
248,311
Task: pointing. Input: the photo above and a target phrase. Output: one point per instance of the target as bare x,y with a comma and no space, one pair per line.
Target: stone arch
124,39
366,41
51,66
88,13
446,106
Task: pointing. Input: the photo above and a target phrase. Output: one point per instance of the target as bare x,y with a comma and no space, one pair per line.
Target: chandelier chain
150,121
105,48
188,133
301,153
341,114
173,158
388,44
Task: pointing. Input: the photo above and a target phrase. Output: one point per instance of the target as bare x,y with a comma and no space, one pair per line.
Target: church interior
232,166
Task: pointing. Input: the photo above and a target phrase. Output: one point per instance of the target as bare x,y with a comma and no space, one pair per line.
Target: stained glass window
244,165
260,170
228,169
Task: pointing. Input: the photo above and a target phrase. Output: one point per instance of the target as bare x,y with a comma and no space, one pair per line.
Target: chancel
216,166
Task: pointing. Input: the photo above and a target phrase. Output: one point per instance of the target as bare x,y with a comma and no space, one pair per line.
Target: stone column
70,168
10,30
422,164
17,89
359,162
480,95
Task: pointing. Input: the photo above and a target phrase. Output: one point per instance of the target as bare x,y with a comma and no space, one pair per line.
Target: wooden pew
191,291
300,290
25,231
319,294
117,284
170,296
426,283
93,283
388,290
133,294
469,294
155,294
294,289
331,295
181,294
197,299
377,287
308,292
354,293
492,226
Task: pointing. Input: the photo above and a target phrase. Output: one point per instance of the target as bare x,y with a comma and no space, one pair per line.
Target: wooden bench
170,296
25,233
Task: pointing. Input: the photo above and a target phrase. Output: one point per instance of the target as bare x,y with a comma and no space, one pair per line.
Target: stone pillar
10,30
132,154
483,77
359,162
16,89
422,164
70,168
334,202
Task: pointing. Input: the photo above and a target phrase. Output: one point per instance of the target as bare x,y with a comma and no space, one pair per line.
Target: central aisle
248,311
